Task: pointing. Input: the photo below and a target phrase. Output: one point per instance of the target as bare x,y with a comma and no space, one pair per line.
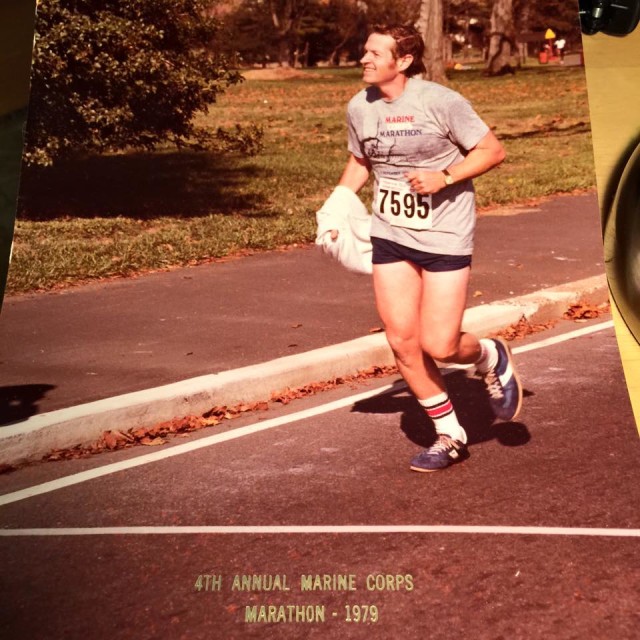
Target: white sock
441,411
488,356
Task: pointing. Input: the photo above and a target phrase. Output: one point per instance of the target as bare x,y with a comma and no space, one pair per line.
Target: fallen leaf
585,311
158,429
123,435
523,328
111,440
152,442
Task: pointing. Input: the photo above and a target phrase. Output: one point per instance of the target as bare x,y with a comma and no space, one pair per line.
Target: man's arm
487,154
354,177
355,174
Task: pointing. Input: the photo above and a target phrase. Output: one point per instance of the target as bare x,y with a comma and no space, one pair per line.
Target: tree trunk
285,17
523,15
285,52
522,12
431,26
305,55
502,41
334,56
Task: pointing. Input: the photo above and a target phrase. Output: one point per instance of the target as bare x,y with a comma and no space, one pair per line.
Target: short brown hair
408,41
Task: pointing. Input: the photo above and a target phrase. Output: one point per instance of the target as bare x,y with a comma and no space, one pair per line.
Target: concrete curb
83,424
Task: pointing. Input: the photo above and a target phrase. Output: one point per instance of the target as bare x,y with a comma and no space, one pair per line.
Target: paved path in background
87,343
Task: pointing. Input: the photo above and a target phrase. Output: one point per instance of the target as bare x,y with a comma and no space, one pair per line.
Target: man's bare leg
422,312
398,287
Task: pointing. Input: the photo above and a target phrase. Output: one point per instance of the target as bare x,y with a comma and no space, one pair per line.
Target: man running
424,143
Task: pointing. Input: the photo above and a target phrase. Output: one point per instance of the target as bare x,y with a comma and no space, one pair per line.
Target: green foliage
330,30
247,140
529,15
116,74
319,30
253,38
560,15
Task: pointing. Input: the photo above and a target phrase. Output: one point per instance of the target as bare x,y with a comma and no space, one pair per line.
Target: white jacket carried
344,211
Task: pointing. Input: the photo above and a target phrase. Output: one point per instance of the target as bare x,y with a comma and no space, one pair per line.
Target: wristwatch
448,178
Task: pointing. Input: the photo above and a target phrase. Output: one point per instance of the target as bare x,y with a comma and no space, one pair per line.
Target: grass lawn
123,214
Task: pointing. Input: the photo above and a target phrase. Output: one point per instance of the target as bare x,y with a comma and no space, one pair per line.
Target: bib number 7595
401,206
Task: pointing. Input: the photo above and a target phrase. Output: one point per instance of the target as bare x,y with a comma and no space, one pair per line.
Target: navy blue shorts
387,251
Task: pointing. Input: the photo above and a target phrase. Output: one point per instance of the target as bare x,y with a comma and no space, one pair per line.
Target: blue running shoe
440,455
505,390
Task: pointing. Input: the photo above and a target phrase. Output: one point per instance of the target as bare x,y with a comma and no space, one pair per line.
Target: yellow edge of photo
613,82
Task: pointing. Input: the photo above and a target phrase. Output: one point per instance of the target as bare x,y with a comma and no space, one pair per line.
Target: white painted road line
324,529
578,333
547,342
201,443
233,434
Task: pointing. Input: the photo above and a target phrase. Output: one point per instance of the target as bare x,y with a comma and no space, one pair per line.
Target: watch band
448,178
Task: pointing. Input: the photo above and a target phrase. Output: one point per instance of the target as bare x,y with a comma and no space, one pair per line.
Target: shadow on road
20,402
470,400
141,186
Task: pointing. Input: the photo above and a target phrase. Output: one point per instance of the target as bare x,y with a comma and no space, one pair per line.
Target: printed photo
307,330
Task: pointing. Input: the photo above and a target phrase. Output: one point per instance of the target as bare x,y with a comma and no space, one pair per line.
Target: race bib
400,206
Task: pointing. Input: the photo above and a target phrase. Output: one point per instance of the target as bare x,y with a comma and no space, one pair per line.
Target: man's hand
488,153
426,182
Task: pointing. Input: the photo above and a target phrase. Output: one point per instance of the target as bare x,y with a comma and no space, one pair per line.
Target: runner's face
379,64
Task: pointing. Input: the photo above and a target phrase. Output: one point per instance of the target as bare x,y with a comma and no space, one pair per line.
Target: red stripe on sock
440,410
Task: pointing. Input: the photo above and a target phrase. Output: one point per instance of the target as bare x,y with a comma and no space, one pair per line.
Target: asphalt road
569,462
88,343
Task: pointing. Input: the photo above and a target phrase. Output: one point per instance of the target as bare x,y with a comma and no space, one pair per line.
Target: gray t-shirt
427,127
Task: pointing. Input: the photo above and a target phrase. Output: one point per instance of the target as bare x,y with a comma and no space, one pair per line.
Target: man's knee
406,349
441,349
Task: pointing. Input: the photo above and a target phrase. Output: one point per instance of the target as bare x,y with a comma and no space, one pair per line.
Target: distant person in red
424,143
